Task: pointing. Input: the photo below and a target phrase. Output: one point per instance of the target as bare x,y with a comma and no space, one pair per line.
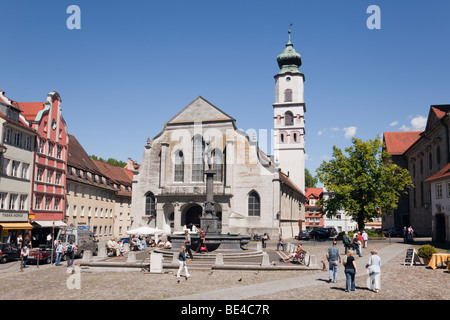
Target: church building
253,193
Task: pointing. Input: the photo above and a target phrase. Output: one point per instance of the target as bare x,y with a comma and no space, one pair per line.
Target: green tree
365,182
112,161
310,181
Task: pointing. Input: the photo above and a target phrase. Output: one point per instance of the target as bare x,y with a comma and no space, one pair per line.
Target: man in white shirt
365,238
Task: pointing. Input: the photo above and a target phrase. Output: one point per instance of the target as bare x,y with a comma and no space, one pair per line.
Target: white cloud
350,132
417,124
394,123
320,133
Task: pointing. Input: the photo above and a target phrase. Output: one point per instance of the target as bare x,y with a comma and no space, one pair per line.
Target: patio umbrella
145,231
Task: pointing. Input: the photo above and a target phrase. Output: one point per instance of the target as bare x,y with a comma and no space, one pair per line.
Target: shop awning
49,223
16,225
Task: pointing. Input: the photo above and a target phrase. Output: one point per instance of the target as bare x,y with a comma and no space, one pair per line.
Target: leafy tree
365,182
112,161
310,181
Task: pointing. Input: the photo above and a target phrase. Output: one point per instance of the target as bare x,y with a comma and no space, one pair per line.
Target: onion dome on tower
289,60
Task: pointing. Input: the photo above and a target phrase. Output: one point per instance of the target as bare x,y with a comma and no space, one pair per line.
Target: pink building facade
49,171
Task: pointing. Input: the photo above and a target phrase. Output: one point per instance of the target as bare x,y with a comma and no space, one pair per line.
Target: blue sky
135,64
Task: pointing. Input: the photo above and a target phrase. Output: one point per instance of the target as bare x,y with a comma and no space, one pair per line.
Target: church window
430,161
179,166
438,154
288,95
288,118
150,205
198,162
217,165
254,207
282,137
294,137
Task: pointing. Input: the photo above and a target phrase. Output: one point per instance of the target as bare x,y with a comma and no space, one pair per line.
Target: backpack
69,249
346,239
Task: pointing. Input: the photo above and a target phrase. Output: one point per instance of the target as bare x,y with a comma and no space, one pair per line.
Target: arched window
438,155
288,95
179,166
217,164
288,118
254,204
150,205
430,160
197,158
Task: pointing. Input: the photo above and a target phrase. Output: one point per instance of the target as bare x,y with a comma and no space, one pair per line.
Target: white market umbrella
145,231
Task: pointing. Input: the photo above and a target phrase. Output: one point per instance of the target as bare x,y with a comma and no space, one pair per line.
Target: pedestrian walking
374,266
263,240
70,254
405,234
365,238
350,271
355,246
187,243
182,262
280,242
59,253
346,241
334,258
410,234
24,252
48,244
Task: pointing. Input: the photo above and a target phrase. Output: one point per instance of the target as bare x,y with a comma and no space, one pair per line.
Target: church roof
398,142
200,110
285,179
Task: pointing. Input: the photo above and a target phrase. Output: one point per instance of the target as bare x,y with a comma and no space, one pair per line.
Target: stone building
253,193
424,154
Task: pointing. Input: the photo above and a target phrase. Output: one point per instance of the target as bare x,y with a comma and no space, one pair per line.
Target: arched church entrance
192,216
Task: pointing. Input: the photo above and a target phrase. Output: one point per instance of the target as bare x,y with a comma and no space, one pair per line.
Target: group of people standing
350,269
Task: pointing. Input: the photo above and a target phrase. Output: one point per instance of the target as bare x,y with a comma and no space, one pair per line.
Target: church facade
253,193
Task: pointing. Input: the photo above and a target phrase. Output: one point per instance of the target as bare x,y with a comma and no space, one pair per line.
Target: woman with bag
182,261
374,265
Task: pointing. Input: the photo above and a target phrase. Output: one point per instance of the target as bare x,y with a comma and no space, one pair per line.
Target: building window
37,203
448,189
198,163
58,151
56,204
430,161
12,201
18,139
39,174
48,203
288,118
254,207
438,191
217,164
438,155
23,202
288,95
25,167
15,168
58,178
49,176
3,200
150,205
51,145
179,166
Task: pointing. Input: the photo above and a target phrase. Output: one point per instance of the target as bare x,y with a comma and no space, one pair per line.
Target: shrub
426,251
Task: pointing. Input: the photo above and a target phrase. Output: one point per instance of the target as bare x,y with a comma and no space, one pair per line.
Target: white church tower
289,116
